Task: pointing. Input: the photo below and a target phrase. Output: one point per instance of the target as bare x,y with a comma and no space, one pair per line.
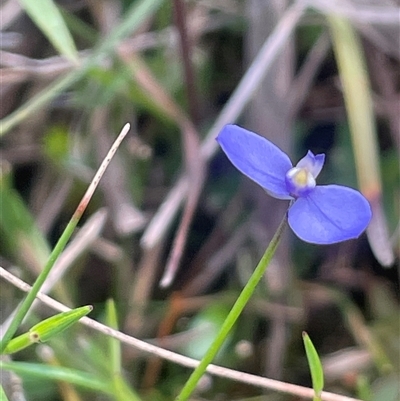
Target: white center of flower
299,181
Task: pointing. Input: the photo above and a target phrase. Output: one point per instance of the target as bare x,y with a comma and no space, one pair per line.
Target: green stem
28,301
66,235
233,315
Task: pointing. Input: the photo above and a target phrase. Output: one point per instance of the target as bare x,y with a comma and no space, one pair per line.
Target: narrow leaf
54,325
317,374
46,15
113,344
3,395
122,392
46,329
72,376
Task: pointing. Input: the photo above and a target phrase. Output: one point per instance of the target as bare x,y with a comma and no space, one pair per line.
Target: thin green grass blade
46,15
40,100
114,347
208,322
122,392
233,315
315,365
80,28
3,395
134,17
71,376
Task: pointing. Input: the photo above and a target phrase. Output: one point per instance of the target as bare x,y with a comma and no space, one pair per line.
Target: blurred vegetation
75,71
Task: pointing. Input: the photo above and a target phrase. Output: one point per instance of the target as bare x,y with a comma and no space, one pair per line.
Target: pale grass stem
143,346
59,247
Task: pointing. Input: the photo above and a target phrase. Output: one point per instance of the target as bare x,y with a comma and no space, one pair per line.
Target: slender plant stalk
3,395
233,315
66,235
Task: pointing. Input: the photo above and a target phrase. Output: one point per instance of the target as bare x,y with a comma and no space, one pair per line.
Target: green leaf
233,315
72,376
46,15
317,374
46,329
54,325
113,344
122,392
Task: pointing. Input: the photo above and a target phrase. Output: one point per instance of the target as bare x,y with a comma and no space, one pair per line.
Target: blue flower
319,214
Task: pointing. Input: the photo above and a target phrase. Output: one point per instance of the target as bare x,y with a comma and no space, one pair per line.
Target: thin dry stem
96,179
143,346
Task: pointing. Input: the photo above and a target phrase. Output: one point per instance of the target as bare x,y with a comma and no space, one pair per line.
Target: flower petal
329,214
257,158
312,163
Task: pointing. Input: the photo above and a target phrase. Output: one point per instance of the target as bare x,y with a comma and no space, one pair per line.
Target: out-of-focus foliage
66,93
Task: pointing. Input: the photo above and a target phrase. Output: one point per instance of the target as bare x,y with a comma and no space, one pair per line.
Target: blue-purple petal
329,214
257,158
312,163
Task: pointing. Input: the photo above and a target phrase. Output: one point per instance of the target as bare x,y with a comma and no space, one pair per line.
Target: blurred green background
316,75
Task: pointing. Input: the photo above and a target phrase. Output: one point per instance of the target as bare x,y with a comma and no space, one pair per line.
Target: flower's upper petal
256,157
312,163
329,214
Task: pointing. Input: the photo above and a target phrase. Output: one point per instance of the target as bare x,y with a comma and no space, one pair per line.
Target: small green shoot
317,374
47,329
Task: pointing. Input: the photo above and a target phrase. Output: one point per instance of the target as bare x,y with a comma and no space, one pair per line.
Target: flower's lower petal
257,158
329,214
